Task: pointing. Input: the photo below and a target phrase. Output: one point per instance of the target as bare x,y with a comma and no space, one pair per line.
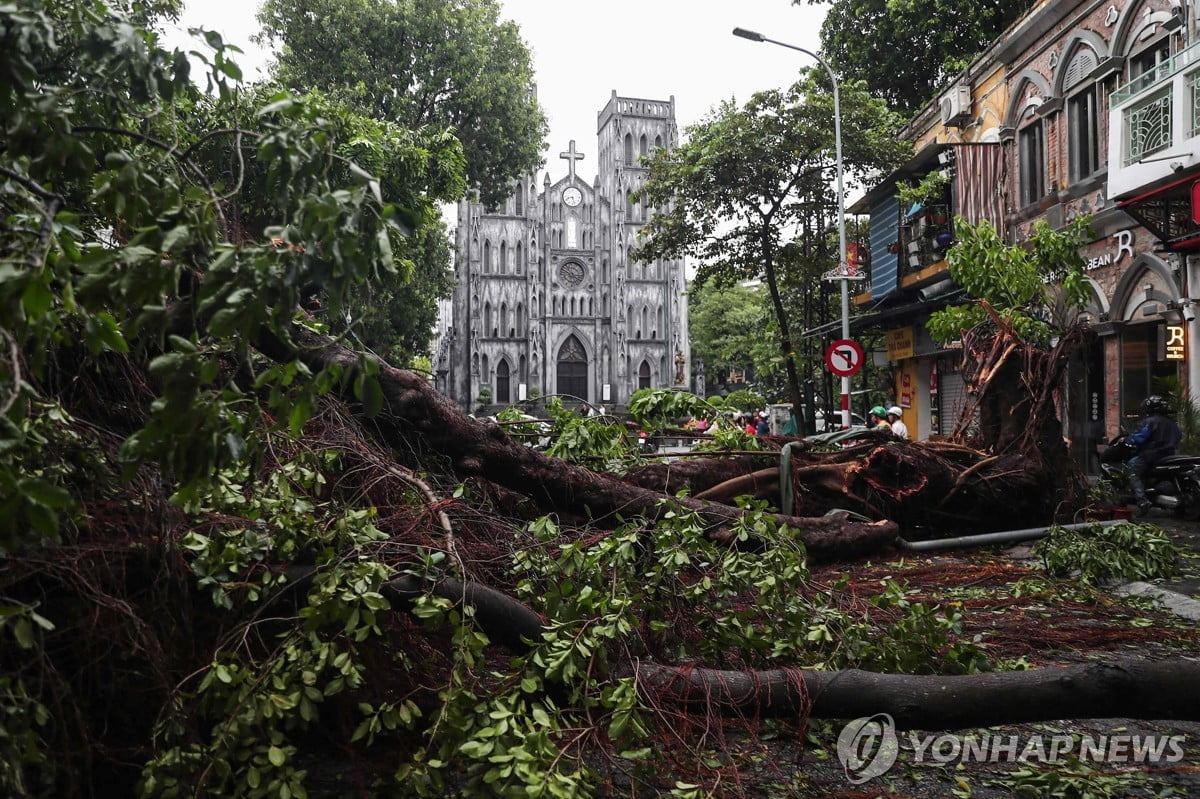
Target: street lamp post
842,273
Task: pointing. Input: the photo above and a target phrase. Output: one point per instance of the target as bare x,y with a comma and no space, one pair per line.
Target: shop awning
1169,212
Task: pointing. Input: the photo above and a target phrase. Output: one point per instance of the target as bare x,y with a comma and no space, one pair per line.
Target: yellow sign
1176,347
899,343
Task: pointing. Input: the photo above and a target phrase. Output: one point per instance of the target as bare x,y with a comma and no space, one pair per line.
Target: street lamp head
753,36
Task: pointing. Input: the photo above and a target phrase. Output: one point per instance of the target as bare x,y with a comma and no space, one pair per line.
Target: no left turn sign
844,357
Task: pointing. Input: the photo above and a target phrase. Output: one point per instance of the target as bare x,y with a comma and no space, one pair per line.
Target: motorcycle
1173,483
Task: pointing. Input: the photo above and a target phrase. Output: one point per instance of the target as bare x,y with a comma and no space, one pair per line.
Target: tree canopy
440,63
904,50
1035,287
749,180
729,330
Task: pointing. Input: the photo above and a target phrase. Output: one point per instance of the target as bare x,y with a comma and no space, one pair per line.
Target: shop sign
1175,345
1124,247
899,343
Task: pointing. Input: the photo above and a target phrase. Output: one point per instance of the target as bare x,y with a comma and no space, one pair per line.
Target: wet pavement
1186,536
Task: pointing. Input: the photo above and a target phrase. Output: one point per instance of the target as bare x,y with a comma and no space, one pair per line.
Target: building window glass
1141,371
1033,163
1083,118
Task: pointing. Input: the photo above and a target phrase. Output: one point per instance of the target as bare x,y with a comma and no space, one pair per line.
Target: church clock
572,196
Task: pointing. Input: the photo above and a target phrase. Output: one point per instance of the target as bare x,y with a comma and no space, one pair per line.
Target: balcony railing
1151,78
924,239
1194,106
1148,127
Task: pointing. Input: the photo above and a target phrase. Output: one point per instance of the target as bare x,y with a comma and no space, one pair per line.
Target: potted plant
929,190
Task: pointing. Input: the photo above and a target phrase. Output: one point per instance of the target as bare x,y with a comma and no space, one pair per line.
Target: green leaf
276,756
45,493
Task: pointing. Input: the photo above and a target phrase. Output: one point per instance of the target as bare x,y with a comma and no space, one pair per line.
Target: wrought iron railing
1153,77
1148,127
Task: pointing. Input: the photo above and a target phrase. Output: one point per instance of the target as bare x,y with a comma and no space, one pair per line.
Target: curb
1173,601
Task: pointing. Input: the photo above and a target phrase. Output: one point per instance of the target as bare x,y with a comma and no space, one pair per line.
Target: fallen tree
215,510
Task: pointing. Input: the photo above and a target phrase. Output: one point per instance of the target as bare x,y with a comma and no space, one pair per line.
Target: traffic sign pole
844,357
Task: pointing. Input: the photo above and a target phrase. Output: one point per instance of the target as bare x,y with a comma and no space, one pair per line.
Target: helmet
878,411
895,411
1154,404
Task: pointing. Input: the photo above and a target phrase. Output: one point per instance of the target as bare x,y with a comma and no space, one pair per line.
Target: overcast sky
650,49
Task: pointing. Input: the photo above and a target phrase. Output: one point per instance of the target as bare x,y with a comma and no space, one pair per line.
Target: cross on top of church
572,156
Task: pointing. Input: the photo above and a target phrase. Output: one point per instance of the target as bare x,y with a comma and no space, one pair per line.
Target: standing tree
442,63
748,179
728,331
905,50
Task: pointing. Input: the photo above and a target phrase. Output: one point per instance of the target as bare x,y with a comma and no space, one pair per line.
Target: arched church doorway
573,369
644,375
503,394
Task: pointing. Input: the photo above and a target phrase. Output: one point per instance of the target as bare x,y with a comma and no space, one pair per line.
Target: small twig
15,355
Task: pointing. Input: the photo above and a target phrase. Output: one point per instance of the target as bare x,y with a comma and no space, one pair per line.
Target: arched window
518,200
520,263
645,318
658,142
658,317
644,375
519,321
642,145
487,256
502,392
630,207
1083,115
504,330
503,266
487,320
628,148
524,369
572,369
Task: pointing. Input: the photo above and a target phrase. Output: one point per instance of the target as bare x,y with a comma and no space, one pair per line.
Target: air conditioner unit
956,106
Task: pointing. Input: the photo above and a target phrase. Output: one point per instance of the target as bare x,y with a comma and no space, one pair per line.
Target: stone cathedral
548,301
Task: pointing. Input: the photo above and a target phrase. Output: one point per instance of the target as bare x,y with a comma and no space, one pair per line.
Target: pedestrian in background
899,428
878,419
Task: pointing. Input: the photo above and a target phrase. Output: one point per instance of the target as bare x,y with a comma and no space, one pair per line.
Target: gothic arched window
644,375
487,256
503,266
628,148
518,200
642,145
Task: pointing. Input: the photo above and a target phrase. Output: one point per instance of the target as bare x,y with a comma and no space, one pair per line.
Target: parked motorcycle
1172,483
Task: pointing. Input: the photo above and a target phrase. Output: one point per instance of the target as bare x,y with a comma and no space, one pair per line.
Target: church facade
548,301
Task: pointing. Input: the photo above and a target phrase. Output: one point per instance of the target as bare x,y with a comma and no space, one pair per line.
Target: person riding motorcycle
1155,440
878,417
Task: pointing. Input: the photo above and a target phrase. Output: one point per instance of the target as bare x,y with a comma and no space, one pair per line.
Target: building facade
1081,108
548,301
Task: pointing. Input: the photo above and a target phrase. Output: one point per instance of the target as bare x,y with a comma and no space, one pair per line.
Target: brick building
1080,108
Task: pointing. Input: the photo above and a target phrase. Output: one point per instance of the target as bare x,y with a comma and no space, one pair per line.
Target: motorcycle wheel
1189,500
